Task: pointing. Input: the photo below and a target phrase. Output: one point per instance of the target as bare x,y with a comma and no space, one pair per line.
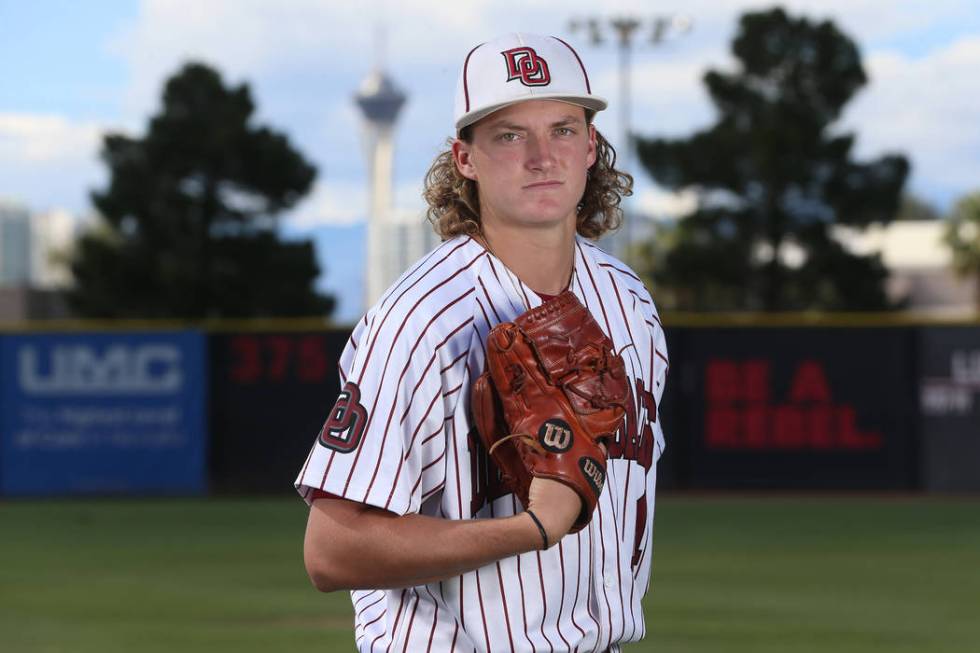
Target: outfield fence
787,401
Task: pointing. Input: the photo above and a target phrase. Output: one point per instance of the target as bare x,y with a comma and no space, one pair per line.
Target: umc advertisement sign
102,413
800,408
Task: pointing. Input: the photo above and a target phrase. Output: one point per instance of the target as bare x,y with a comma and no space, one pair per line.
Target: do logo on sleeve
344,427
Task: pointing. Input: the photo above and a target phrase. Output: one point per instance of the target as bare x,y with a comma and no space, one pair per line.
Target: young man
407,510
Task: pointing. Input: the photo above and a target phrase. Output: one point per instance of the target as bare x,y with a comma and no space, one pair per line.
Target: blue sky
56,59
71,71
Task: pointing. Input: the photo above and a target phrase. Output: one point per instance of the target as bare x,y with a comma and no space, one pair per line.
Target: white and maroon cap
519,67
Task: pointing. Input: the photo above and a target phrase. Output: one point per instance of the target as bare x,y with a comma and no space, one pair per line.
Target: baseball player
407,510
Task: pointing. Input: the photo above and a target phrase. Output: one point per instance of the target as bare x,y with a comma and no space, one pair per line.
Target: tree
772,176
189,221
962,235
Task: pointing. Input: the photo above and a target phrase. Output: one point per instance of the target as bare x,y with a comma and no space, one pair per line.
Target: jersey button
609,581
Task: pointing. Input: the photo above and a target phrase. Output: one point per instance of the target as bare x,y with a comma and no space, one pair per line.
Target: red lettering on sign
809,383
821,429
721,381
278,359
755,380
787,427
754,417
721,426
740,415
246,364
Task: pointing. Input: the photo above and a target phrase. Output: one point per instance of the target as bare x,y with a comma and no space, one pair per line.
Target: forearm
349,545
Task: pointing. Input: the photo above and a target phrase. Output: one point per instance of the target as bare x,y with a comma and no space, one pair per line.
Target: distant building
410,237
31,273
15,245
52,235
919,262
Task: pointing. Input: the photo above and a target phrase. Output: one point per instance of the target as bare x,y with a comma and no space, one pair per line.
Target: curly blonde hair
454,203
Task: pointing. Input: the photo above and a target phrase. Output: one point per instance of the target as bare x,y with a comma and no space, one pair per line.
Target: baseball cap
519,67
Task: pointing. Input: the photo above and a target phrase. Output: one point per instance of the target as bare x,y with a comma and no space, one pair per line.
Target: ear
591,157
462,159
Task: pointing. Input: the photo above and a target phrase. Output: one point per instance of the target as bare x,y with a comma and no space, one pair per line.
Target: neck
541,258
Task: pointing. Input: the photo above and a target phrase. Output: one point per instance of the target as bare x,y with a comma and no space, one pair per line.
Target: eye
508,137
564,131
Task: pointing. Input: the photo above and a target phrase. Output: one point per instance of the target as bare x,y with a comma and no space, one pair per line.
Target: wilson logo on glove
555,435
594,473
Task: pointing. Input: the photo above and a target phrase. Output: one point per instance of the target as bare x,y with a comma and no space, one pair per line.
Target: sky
72,71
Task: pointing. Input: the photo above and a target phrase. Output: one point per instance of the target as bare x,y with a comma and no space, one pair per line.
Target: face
529,161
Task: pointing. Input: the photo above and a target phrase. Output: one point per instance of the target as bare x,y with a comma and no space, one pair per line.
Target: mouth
543,185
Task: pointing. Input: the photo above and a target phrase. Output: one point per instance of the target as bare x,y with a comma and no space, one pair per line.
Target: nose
540,155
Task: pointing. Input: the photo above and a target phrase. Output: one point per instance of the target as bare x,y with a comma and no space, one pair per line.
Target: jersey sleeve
383,442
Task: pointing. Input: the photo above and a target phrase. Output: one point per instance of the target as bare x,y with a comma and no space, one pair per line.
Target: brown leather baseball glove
552,391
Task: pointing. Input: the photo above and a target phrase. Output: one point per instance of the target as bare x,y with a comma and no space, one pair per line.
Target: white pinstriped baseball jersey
400,437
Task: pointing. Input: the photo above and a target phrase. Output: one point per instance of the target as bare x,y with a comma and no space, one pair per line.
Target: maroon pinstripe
561,605
370,605
595,289
544,602
503,599
483,614
394,625
411,622
621,271
490,301
435,617
422,473
520,581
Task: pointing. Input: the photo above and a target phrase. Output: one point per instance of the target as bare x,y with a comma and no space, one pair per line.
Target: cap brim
590,102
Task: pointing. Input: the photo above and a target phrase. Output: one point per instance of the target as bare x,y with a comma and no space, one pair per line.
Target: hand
555,504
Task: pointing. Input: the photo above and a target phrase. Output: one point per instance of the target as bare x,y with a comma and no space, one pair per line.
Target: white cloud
331,203
345,202
661,204
260,39
927,107
36,139
49,161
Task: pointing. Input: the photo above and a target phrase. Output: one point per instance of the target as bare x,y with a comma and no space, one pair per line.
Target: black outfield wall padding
270,394
794,408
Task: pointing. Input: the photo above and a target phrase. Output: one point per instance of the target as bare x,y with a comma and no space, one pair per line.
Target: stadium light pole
624,29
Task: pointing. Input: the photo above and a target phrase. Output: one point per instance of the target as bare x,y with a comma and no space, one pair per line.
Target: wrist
545,542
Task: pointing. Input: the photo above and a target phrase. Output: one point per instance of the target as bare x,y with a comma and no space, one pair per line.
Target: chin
548,213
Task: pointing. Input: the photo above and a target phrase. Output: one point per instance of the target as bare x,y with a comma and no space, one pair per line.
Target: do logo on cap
525,64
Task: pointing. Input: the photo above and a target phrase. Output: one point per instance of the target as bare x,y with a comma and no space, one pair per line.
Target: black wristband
537,522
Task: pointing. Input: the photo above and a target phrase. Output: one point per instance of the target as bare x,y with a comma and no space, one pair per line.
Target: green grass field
845,574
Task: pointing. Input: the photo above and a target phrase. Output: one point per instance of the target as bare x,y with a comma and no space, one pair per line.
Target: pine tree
773,175
189,221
